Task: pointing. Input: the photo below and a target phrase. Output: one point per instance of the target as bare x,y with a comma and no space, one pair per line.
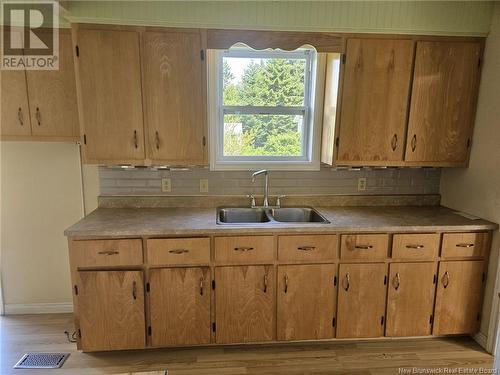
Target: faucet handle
252,198
278,200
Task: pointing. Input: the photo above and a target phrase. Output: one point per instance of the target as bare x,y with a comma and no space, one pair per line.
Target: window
261,109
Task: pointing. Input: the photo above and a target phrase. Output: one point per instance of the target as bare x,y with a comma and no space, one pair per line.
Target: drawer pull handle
347,282
243,248
38,116
20,116
414,143
134,290
446,279
394,142
108,252
136,140
157,140
201,285
464,245
363,247
415,247
265,283
306,248
286,284
179,251
397,281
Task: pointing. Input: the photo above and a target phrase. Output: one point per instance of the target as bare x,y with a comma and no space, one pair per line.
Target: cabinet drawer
102,253
245,249
307,248
415,246
458,245
364,246
168,251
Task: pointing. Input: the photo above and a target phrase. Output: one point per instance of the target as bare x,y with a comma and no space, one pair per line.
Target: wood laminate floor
38,333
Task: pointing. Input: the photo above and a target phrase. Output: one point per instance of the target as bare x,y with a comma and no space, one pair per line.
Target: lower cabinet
410,299
458,297
111,310
306,302
245,304
179,304
361,300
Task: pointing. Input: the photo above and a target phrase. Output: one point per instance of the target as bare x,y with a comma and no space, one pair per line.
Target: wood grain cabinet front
367,247
178,251
245,250
245,304
111,310
465,245
315,249
179,300
420,246
106,253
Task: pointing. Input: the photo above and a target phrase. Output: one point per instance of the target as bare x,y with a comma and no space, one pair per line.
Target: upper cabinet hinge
76,289
213,284
148,287
204,141
77,50
85,139
202,54
344,58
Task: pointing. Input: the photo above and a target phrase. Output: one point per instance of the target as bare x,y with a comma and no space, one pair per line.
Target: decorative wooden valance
286,40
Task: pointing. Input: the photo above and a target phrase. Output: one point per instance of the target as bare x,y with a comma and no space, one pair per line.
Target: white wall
41,195
477,189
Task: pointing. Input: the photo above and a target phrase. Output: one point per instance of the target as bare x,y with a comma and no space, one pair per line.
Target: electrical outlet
362,184
166,185
203,185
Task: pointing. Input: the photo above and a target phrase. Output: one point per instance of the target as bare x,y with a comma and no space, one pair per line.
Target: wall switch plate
203,185
166,185
362,184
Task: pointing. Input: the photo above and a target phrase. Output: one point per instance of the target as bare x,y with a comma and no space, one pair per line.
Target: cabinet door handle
414,143
108,252
265,283
243,248
20,116
306,248
446,279
286,284
134,290
394,142
464,245
363,247
415,247
136,142
201,285
38,116
397,281
178,251
347,282
157,140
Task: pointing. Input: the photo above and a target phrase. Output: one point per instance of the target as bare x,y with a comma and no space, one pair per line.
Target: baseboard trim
481,339
37,308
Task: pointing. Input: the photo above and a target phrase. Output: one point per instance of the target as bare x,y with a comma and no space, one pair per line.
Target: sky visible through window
278,85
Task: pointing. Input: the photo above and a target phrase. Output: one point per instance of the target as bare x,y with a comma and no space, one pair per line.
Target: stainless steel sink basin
245,215
237,215
297,215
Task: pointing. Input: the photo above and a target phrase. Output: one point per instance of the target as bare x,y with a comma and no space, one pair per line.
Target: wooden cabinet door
245,304
361,303
174,106
443,102
458,297
52,95
15,115
410,299
111,101
307,297
376,87
111,310
180,306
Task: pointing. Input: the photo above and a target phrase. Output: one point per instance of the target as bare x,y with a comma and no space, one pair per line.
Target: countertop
137,222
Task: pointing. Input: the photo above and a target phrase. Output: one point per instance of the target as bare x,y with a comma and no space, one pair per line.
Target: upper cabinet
41,104
407,102
374,105
174,104
109,69
443,102
142,95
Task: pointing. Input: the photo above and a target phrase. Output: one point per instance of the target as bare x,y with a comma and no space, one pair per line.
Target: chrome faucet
266,185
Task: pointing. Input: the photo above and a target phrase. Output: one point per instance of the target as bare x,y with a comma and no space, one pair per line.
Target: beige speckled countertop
137,222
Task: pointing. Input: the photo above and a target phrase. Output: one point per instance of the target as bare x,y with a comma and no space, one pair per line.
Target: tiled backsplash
114,181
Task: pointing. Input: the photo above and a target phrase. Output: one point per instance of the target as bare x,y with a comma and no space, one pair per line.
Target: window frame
314,85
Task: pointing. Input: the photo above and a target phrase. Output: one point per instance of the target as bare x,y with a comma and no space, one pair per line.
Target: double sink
246,215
